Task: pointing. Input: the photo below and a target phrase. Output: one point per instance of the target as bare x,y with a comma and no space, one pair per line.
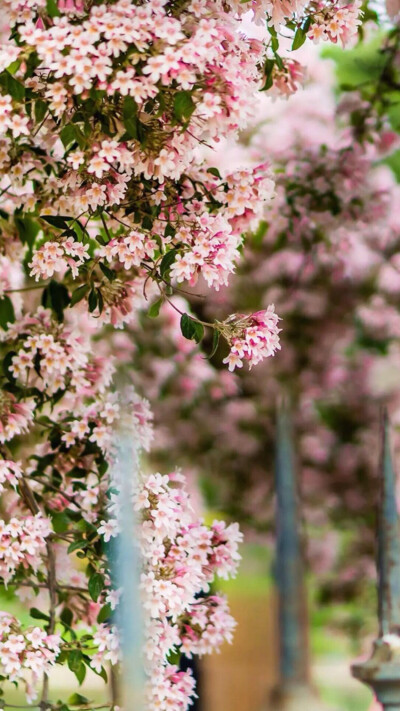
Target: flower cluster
170,688
252,338
287,78
15,417
10,473
338,22
333,21
59,256
44,360
29,652
22,542
181,556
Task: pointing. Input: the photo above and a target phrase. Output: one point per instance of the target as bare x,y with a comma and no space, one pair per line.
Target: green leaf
167,261
104,614
102,673
215,343
60,522
191,329
52,8
95,586
109,273
14,66
268,69
363,64
66,616
38,615
12,86
76,545
259,234
100,300
92,300
56,297
183,106
57,221
67,135
27,229
75,657
154,309
7,362
170,230
71,133
214,171
78,700
7,314
59,298
79,294
41,108
129,116
299,38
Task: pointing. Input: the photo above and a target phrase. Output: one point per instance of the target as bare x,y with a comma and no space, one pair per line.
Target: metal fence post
294,691
382,671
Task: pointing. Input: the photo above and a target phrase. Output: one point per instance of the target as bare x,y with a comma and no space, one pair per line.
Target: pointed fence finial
382,671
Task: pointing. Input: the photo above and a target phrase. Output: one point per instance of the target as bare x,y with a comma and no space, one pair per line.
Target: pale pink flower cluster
170,688
142,418
287,80
212,617
15,417
208,242
22,543
10,473
279,11
181,556
48,361
29,652
10,121
253,337
207,51
336,22
106,640
213,250
333,20
55,257
96,423
131,250
250,192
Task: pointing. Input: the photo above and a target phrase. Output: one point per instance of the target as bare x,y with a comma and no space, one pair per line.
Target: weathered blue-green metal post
127,690
294,691
382,671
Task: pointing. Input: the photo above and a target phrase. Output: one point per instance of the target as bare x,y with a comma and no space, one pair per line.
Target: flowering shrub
327,255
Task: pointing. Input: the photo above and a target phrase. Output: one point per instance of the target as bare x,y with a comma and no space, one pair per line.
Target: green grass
341,700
